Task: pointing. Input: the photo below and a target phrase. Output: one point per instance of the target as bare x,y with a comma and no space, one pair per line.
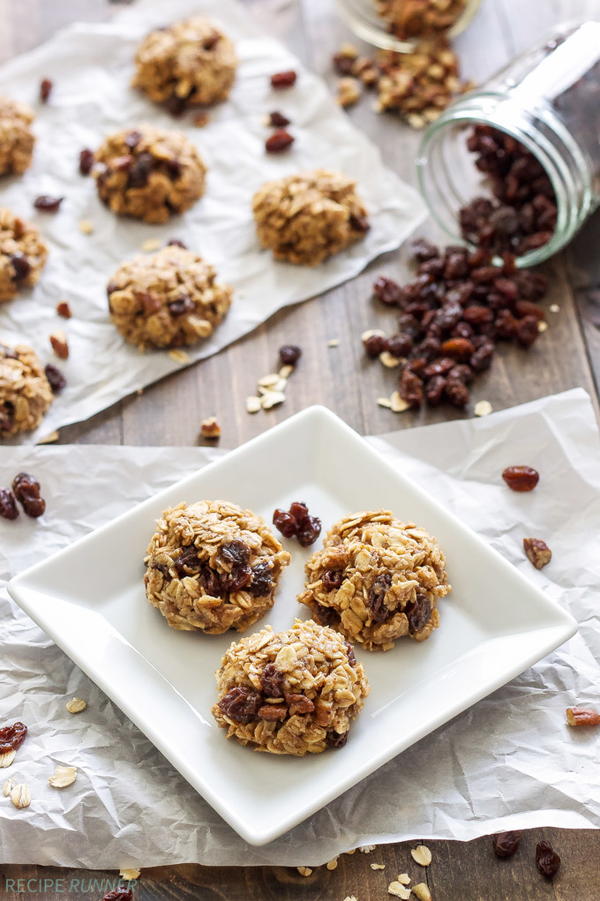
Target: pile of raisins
452,314
297,523
28,492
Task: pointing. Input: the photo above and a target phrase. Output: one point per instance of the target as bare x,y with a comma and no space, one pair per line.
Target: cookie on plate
16,137
148,173
376,579
306,218
167,299
293,692
25,392
188,63
23,255
211,566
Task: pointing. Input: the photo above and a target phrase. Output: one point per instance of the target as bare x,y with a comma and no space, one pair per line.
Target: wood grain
169,412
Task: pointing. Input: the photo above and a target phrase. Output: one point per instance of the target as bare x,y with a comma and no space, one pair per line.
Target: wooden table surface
169,413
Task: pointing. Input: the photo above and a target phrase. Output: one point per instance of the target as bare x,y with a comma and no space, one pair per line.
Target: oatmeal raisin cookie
211,566
188,63
376,579
293,692
25,392
16,137
306,218
167,299
22,255
148,173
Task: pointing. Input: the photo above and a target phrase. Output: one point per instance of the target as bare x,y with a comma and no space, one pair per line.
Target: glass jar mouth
361,16
568,219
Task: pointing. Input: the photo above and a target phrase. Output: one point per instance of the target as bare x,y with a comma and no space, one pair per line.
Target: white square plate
90,599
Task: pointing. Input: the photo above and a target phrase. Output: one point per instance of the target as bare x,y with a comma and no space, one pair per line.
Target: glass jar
362,17
548,99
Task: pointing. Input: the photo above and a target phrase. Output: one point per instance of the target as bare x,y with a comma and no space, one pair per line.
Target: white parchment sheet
91,67
509,762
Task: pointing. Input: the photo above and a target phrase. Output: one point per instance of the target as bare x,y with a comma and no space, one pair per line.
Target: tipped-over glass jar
534,129
400,24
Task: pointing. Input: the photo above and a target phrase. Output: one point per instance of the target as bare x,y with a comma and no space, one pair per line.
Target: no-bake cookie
22,255
167,299
148,173
16,137
376,579
211,566
308,217
293,692
25,392
190,62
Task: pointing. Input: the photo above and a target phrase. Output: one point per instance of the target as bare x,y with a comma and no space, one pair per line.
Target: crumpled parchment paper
91,67
509,762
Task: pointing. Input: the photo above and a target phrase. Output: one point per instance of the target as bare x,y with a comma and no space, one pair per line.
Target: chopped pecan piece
537,552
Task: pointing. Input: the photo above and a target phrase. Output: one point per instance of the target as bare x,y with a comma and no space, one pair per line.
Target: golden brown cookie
188,63
211,566
148,173
308,217
25,392
16,137
293,692
376,579
167,299
22,255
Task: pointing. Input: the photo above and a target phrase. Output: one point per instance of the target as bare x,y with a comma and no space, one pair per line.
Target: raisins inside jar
527,179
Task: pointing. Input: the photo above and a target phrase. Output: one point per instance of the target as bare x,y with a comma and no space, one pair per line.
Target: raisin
237,579
506,324
332,579
271,681
351,654
241,704
27,491
376,598
461,372
439,367
309,531
326,616
336,739
12,737
457,392
477,315
521,478
262,579
47,203
359,223
418,612
278,120
279,141
21,266
210,581
375,345
299,511
46,86
284,79
387,291
506,843
86,161
133,139
181,305
289,354
175,242
411,388
434,390
547,860
8,506
176,105
285,522
481,359
235,552
7,416
187,560
423,250
140,170
55,377
528,308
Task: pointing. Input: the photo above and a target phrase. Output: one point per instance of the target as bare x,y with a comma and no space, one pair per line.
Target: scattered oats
7,787
352,851
384,402
63,776
151,244
201,120
333,342
304,871
377,866
49,439
129,873
86,227
332,864
554,308
279,385
482,408
269,381
271,399
372,331
416,121
180,356
210,428
350,898
399,405
20,795
7,759
542,326
404,878
421,891
421,855
76,705
285,371
388,359
398,891
349,50
253,404
366,849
